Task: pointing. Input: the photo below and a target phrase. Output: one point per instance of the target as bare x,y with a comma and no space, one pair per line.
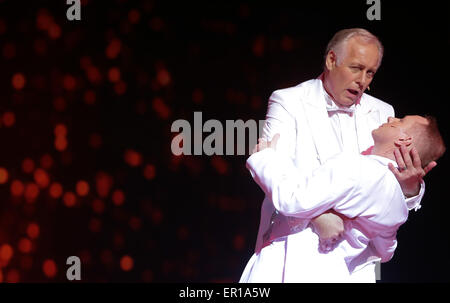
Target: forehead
362,51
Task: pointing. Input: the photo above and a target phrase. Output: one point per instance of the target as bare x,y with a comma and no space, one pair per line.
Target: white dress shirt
359,187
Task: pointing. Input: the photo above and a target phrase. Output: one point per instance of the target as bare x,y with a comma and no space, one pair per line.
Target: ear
330,61
404,140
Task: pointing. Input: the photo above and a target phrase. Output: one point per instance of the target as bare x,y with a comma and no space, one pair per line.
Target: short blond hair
428,141
339,40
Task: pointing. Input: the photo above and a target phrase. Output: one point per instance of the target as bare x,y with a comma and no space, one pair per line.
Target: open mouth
353,92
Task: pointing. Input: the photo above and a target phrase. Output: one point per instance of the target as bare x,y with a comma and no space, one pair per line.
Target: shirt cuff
414,202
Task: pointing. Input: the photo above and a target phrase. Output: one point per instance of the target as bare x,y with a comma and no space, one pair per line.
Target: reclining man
361,188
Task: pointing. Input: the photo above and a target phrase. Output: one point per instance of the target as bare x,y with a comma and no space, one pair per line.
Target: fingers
406,156
416,158
399,159
429,167
394,170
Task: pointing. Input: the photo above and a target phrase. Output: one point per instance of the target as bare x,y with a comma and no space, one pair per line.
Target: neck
384,151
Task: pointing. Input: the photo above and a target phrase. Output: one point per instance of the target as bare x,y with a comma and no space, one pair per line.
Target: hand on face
409,172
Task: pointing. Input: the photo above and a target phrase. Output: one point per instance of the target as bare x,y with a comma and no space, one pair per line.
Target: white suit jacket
299,115
359,187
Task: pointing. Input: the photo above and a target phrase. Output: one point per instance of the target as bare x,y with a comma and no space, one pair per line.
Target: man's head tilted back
410,131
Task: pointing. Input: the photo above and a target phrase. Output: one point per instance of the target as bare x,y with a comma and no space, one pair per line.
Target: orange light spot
94,75
60,143
40,47
98,206
43,20
60,130
120,88
163,77
118,197
25,245
18,81
135,223
13,276
41,178
55,190
33,230
31,192
17,188
157,217
82,188
54,31
59,104
3,175
197,96
134,16
149,172
238,242
95,225
220,165
49,268
46,161
161,108
69,199
9,119
113,48
89,97
258,46
104,183
126,263
27,165
6,252
114,74
133,158
69,82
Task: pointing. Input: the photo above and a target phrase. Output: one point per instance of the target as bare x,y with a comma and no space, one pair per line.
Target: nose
392,119
362,80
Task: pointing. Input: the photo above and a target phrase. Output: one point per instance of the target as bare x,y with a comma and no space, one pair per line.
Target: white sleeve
385,245
279,120
305,196
414,202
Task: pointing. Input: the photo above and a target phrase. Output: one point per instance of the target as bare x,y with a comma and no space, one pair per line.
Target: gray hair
340,39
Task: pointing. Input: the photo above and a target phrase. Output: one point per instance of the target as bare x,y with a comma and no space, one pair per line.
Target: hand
329,226
409,172
263,144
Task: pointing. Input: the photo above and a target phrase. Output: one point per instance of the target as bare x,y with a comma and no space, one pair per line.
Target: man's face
350,74
397,130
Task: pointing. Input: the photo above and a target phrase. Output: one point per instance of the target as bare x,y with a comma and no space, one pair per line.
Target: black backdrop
188,218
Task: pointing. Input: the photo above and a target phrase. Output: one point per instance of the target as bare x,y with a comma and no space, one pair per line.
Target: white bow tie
334,108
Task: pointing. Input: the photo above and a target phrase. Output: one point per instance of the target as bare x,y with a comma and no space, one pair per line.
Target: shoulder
295,93
372,102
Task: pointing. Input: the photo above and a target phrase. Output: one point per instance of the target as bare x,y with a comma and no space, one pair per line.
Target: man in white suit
360,187
318,119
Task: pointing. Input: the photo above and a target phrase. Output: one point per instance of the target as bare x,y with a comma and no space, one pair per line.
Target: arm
385,245
411,176
301,195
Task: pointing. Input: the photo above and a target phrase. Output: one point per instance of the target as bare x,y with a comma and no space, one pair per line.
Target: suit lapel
317,116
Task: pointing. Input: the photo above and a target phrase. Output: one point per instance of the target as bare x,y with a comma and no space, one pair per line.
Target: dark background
186,218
